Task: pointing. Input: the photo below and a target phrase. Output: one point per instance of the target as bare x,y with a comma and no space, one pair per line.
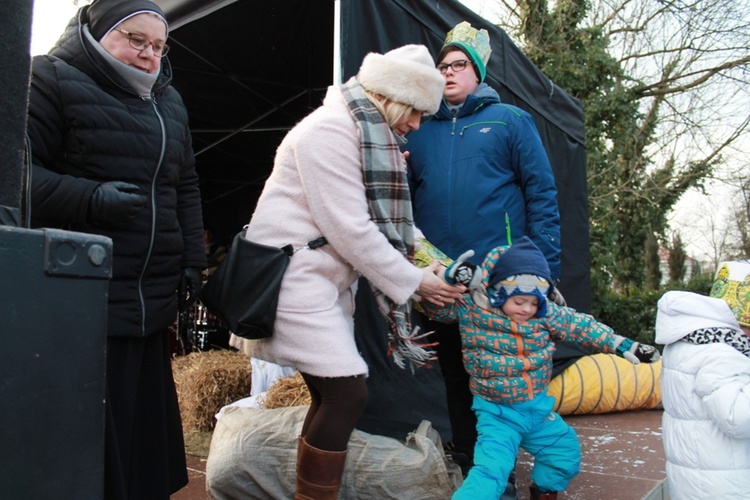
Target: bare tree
708,224
741,212
665,90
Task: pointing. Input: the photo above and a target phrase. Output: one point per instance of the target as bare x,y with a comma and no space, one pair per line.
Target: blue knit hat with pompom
520,270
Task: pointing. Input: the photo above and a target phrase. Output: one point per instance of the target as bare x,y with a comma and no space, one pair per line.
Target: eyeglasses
456,66
141,43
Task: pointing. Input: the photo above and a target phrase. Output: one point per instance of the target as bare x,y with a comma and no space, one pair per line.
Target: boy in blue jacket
508,326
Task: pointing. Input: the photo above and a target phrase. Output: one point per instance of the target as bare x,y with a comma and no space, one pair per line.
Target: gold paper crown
732,285
475,42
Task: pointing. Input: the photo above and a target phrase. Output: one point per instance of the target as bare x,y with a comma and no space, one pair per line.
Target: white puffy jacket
706,397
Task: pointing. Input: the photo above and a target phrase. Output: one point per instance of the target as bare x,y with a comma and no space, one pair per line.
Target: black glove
462,272
635,352
115,203
191,281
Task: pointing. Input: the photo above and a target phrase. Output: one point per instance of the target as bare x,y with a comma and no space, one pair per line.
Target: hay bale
206,381
287,391
198,443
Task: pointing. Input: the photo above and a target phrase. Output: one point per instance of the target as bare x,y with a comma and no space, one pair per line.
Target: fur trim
406,75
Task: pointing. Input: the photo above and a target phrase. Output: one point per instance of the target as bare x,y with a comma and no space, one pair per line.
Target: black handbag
244,289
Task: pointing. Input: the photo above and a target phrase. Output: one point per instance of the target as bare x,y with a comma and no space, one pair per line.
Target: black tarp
248,70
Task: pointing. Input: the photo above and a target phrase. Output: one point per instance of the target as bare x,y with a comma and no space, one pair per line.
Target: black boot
542,495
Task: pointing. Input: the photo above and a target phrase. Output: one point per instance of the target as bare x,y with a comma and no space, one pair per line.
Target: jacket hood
73,48
680,313
483,96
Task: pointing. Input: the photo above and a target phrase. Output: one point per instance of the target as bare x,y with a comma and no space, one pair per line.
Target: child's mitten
462,272
635,352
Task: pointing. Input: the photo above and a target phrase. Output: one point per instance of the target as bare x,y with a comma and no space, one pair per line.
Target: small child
705,382
507,331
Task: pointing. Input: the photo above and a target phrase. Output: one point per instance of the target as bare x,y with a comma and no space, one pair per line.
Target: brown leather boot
542,495
318,473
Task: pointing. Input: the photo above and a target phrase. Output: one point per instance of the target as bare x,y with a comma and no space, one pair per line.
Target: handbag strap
290,250
311,245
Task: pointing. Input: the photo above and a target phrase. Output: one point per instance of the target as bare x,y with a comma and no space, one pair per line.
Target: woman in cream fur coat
328,181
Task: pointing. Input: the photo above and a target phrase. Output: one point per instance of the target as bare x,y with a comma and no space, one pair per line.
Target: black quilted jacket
87,126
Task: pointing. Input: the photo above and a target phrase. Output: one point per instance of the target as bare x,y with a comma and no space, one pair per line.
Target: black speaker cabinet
53,309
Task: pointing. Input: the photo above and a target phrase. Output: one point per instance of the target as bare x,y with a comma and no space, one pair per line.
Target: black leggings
337,404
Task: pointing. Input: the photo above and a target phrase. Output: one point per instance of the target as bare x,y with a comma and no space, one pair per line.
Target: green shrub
632,312
699,283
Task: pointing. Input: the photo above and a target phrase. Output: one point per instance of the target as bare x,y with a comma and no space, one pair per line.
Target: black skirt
144,445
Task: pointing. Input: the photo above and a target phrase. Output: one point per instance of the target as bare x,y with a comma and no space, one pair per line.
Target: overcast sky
49,19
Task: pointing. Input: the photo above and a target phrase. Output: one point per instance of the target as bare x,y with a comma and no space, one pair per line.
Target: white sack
253,455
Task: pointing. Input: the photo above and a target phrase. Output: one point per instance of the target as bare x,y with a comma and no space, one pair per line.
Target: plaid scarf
389,201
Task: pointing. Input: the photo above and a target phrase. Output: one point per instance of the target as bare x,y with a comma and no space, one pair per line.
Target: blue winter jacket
468,171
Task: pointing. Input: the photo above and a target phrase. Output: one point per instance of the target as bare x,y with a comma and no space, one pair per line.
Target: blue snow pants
531,425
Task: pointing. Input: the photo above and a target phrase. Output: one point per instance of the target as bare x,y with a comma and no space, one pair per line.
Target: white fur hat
406,75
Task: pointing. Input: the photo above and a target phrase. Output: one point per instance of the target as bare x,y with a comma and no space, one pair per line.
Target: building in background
692,267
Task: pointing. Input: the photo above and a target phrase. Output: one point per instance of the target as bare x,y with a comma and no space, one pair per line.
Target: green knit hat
475,43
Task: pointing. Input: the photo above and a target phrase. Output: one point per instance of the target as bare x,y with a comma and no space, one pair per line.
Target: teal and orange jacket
511,362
